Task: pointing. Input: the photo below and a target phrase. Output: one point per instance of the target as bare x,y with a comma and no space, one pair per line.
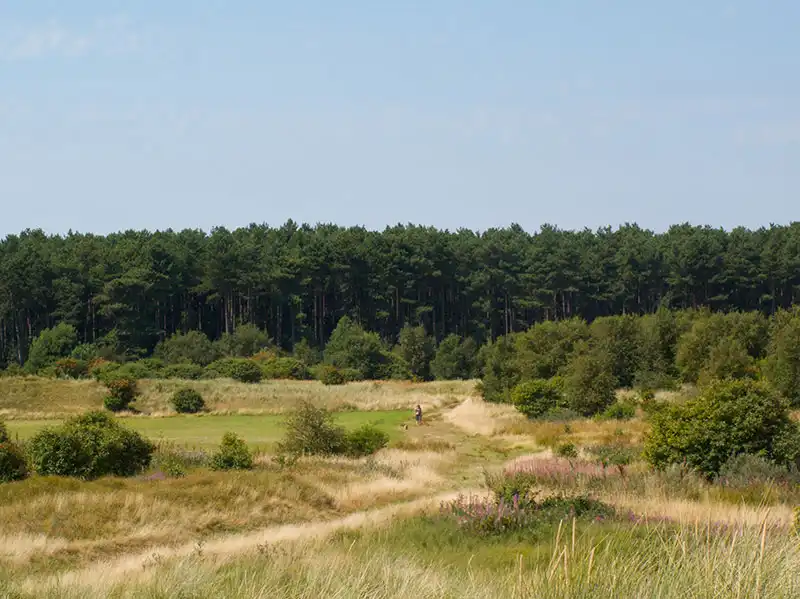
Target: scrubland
476,503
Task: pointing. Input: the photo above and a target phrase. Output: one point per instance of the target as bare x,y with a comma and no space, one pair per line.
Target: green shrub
330,375
187,371
71,368
121,392
233,454
285,369
13,465
366,440
247,340
311,431
350,346
50,345
194,347
416,348
501,372
537,397
589,385
454,359
90,446
744,470
238,369
188,401
619,410
729,418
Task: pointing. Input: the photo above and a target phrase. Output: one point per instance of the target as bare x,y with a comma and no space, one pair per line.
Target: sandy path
134,566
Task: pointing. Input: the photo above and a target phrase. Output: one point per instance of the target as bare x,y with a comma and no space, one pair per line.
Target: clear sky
453,113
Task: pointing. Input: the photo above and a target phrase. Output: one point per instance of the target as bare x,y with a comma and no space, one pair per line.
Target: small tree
727,360
13,465
238,369
729,418
311,431
89,446
366,440
194,347
351,347
50,345
246,341
233,454
416,348
121,392
537,397
783,358
454,359
500,371
308,355
589,384
188,401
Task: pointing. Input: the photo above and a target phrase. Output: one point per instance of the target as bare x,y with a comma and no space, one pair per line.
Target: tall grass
661,562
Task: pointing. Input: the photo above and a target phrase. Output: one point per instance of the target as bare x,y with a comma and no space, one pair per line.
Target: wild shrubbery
232,454
89,446
121,392
13,463
238,369
726,420
285,369
312,431
188,401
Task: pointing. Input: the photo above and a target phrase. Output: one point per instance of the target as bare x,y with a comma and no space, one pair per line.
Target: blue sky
453,113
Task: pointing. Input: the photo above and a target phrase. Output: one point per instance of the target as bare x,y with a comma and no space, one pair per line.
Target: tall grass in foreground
625,562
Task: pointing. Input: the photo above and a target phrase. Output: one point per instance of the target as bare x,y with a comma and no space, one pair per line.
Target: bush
71,368
454,359
285,369
187,372
194,347
90,446
729,418
619,410
783,361
537,397
589,385
330,375
122,391
350,346
745,470
366,440
188,401
238,369
13,465
311,431
500,370
50,345
416,348
247,340
233,454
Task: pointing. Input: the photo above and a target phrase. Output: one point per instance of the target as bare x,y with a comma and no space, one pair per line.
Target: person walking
418,414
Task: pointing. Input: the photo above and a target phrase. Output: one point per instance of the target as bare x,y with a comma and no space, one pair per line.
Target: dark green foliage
330,375
500,371
620,337
233,454
546,348
454,359
365,440
308,355
50,345
589,383
188,401
352,347
727,360
619,410
783,363
417,349
121,392
537,397
190,372
238,369
286,369
85,352
194,347
13,464
89,446
727,419
246,341
311,431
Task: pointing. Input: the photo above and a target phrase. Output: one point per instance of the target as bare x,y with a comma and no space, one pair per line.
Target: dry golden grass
42,398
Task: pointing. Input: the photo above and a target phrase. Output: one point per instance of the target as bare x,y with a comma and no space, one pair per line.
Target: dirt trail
123,569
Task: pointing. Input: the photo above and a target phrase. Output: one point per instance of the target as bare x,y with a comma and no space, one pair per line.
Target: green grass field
261,431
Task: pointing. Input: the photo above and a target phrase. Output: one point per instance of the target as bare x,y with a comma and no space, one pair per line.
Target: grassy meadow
414,520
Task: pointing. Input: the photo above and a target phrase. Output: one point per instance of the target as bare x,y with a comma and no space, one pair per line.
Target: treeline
297,282
575,366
